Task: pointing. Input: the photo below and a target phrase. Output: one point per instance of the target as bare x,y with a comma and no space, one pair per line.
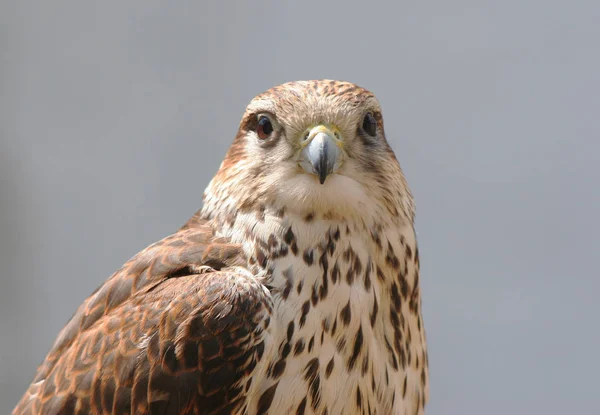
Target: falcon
293,290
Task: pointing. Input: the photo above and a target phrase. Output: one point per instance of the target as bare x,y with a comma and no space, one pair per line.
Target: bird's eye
369,124
264,127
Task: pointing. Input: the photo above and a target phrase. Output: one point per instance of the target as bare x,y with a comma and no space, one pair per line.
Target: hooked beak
322,150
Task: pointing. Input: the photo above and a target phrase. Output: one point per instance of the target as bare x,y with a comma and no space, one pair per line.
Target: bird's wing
177,330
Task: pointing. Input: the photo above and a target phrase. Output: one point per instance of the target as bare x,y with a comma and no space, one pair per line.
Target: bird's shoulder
182,315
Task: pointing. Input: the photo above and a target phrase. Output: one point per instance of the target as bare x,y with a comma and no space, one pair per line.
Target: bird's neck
277,238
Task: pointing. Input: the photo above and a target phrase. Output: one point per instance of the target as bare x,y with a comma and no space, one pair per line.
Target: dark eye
264,127
369,125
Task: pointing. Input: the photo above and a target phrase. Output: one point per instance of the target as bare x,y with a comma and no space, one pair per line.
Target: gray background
115,116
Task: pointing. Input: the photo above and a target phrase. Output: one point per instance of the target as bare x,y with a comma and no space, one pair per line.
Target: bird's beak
321,153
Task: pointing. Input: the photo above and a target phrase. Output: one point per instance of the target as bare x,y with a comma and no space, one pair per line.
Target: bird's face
315,147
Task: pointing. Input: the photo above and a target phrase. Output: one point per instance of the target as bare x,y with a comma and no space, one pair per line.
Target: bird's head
314,148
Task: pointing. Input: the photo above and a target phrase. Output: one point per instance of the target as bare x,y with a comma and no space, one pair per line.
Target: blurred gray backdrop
115,115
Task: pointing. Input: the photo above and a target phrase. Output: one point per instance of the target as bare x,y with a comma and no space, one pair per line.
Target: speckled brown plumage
285,293
167,333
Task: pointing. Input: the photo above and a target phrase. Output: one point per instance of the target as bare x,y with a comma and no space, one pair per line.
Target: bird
293,289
